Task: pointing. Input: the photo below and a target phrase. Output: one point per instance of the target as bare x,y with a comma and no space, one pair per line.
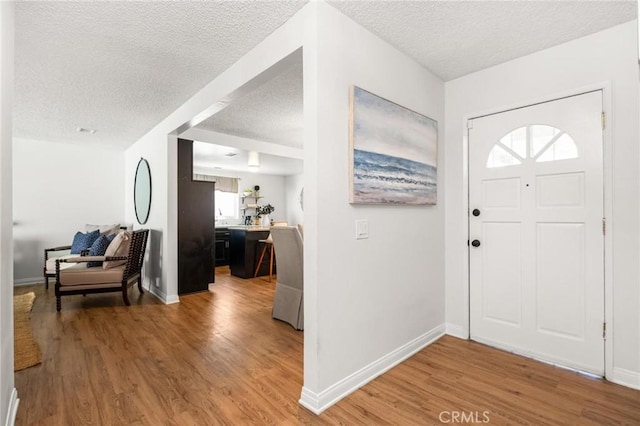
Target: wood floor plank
218,358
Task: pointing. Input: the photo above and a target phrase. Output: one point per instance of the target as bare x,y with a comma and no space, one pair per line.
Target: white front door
536,239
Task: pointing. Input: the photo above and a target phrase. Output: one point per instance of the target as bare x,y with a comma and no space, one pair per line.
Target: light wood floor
218,358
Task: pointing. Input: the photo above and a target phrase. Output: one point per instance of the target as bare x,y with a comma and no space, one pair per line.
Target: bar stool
266,243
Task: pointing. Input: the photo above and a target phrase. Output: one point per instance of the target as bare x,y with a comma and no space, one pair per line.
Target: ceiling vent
85,130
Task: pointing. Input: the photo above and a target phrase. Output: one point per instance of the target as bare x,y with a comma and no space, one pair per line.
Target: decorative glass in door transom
536,142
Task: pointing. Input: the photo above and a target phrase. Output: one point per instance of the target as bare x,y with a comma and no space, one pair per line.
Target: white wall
378,299
57,189
272,191
293,212
155,265
8,400
608,56
272,188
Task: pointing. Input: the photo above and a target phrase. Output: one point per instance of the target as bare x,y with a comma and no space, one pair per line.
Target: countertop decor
267,209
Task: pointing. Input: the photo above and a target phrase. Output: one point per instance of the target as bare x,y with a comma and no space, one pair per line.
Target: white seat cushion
51,263
79,274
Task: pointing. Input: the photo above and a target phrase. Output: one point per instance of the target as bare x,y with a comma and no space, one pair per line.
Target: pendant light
254,160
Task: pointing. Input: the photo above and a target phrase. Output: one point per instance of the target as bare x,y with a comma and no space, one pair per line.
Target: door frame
608,148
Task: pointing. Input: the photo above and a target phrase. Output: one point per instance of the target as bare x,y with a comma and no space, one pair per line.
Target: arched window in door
537,142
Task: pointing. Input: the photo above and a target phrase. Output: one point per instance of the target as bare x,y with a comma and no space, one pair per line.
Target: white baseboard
457,331
628,378
318,402
29,281
167,300
566,364
12,410
311,401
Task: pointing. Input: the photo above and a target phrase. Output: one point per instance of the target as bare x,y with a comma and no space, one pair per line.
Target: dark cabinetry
244,252
223,250
195,225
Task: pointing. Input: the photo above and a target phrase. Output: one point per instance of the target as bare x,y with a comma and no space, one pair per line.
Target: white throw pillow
104,229
118,247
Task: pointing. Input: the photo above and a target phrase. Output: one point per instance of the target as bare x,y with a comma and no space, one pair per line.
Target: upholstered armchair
288,297
117,270
75,249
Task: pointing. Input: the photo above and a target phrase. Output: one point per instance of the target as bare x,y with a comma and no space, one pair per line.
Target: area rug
26,350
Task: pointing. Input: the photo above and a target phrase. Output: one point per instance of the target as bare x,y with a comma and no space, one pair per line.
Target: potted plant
263,212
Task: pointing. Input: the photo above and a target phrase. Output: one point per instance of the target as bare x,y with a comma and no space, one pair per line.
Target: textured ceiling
271,113
122,67
455,38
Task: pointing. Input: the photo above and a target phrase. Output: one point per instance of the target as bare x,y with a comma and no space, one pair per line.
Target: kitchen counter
244,247
249,228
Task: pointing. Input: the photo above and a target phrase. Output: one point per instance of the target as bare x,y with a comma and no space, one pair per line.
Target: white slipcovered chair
288,298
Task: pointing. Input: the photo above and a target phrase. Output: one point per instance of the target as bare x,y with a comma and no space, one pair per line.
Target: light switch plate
362,229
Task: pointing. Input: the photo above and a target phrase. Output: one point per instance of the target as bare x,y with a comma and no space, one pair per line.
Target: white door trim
608,148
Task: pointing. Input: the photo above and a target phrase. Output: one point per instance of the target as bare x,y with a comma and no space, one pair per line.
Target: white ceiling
455,38
271,113
122,67
214,160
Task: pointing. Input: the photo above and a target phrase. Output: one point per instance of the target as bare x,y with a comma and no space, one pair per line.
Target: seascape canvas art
393,152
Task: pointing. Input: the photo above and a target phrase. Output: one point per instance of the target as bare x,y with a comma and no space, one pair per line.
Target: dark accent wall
195,226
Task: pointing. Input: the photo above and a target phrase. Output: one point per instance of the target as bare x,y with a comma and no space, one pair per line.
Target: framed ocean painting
393,152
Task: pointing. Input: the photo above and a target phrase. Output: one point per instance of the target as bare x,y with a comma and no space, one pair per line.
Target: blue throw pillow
83,241
99,248
78,241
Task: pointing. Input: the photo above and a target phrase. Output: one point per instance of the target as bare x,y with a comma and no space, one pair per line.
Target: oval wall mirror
142,191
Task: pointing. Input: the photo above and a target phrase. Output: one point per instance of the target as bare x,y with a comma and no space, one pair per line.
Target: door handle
476,212
475,243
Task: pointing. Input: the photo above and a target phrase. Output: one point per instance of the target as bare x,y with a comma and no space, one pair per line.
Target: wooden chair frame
46,257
